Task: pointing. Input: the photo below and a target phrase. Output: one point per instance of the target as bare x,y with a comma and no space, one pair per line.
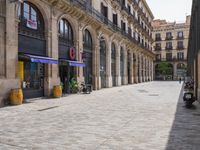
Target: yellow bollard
16,97
57,91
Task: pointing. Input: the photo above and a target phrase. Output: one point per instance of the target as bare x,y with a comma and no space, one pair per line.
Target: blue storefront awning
74,63
42,59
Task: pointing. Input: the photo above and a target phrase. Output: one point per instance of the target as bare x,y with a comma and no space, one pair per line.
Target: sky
170,10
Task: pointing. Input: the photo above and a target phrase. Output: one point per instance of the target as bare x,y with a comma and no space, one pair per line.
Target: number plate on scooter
188,96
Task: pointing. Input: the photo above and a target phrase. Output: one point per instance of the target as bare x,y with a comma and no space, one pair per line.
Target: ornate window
30,17
65,31
87,39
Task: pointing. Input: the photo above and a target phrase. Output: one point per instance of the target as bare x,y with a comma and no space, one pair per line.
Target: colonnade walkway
146,116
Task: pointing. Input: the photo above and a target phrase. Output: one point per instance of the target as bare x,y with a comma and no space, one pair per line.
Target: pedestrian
180,80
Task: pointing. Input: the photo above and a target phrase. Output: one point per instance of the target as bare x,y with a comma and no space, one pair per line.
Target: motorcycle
85,88
188,98
188,94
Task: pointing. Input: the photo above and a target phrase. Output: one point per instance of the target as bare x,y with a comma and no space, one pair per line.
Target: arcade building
44,43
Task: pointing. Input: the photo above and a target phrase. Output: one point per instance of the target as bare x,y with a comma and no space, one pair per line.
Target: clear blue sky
170,10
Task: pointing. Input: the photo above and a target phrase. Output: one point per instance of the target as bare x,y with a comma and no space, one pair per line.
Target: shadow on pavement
185,131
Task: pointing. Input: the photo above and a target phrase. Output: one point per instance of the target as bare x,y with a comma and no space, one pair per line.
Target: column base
6,85
48,85
125,80
118,80
109,81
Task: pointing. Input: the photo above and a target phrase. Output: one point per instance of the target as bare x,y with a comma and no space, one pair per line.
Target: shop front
87,57
31,72
32,54
67,55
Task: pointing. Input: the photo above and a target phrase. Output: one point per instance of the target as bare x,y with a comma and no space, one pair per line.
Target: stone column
139,68
96,65
51,70
145,69
79,51
152,71
118,77
9,50
125,67
149,70
11,31
131,68
142,68
108,65
136,68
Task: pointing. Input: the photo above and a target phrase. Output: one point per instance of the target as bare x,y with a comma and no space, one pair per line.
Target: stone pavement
146,116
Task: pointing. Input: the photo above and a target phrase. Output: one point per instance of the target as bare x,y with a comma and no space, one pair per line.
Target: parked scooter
188,92
188,98
85,88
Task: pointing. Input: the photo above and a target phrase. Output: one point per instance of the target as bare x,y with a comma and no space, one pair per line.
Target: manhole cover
143,91
48,108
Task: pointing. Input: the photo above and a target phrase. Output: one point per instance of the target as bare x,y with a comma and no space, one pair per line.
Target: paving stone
146,116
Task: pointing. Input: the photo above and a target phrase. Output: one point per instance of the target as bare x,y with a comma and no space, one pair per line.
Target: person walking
180,80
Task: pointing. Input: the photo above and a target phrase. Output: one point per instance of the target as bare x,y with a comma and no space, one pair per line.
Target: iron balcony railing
157,48
126,9
169,38
169,48
171,59
100,17
180,47
180,37
158,39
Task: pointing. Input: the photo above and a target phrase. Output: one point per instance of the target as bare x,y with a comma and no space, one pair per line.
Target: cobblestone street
147,116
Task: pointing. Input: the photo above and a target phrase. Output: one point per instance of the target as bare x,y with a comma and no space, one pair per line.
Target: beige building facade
105,43
171,42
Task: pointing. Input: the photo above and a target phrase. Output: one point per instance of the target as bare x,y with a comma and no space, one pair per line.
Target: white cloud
171,10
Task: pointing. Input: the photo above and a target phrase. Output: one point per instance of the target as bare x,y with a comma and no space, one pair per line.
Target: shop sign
72,53
31,24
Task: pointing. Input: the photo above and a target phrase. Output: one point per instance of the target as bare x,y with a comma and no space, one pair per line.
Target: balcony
170,59
169,48
100,17
180,37
180,47
126,9
169,38
158,39
157,48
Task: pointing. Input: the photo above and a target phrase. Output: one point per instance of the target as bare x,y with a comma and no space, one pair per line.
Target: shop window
30,17
33,75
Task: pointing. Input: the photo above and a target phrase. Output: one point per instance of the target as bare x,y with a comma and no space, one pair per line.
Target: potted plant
73,85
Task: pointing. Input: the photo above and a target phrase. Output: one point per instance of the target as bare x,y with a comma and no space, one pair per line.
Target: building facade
194,48
105,43
170,46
